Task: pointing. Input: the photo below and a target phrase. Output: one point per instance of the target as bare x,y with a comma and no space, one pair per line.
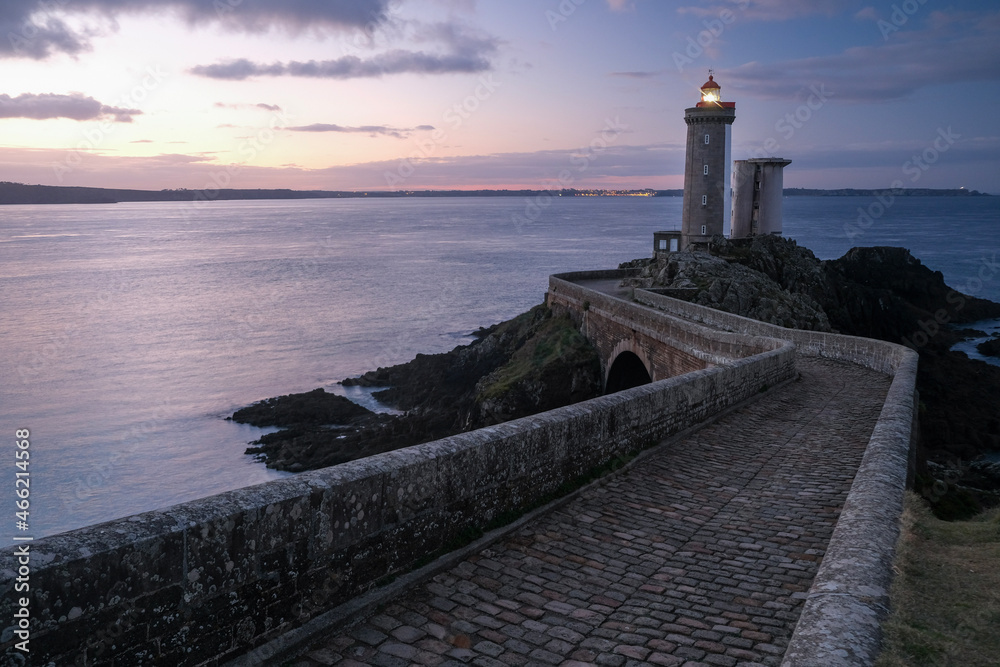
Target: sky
467,94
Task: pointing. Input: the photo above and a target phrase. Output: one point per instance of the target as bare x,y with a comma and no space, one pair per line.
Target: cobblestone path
699,555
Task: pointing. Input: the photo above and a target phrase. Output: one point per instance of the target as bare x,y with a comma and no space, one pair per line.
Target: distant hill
19,193
905,192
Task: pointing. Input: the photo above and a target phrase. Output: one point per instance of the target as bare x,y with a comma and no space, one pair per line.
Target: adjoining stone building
758,191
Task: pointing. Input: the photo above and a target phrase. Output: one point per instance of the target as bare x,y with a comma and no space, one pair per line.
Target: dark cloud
538,169
371,130
770,10
348,67
894,154
465,51
24,35
35,29
73,106
905,62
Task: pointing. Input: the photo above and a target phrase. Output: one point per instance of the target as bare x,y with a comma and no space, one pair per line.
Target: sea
129,332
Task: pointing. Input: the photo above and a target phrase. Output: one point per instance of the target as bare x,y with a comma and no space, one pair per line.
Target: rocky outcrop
990,348
529,364
313,408
718,280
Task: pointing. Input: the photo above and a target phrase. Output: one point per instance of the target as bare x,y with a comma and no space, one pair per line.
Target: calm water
128,332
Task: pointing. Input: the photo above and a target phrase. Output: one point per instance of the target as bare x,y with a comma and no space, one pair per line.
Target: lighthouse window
706,170
704,230
704,200
706,138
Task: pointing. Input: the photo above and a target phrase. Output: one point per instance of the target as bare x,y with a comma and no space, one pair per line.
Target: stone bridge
755,525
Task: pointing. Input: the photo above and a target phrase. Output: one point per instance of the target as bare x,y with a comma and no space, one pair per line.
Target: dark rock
315,407
990,348
744,279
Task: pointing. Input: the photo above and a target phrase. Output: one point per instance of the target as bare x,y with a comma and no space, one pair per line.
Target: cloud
632,166
891,155
637,75
467,51
625,165
260,105
906,62
34,29
771,10
621,5
371,130
348,67
74,106
867,14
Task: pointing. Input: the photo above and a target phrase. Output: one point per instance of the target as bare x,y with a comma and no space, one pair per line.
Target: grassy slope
946,593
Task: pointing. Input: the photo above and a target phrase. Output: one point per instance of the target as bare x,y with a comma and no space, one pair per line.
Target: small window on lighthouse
704,200
706,138
704,230
706,170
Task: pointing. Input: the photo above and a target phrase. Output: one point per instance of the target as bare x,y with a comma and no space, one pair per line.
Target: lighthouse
706,171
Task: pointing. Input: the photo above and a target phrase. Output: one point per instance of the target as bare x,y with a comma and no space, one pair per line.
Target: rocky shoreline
537,362
532,363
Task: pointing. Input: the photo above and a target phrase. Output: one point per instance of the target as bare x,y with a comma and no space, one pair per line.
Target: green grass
946,592
556,340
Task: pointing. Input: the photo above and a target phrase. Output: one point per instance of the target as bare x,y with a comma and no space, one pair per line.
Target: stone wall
668,346
209,580
840,624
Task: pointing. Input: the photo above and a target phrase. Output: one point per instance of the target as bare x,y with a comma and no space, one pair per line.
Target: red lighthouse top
711,95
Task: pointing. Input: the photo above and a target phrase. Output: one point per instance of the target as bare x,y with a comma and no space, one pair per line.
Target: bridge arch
628,366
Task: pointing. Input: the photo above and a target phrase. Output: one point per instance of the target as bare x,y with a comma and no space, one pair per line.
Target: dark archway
626,372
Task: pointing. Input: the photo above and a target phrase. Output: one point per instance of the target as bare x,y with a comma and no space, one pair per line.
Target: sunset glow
416,94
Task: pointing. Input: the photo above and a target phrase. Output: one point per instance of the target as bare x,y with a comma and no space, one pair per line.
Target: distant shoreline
19,193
